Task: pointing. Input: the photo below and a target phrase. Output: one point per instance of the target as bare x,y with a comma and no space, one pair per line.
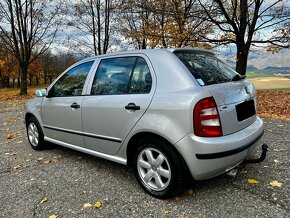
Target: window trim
69,69
92,78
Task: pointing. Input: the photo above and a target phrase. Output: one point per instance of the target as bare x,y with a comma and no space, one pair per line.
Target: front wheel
34,134
159,168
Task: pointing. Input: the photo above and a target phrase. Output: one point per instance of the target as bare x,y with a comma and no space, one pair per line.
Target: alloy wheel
153,169
33,134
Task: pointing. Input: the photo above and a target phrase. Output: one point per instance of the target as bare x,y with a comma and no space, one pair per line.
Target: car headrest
120,78
148,78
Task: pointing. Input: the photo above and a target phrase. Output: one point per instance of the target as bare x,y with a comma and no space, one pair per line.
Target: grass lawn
251,75
280,83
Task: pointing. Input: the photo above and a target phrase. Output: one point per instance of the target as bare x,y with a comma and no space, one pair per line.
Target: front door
121,92
61,109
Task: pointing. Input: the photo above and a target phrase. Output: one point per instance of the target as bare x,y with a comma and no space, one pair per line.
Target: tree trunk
37,81
7,82
18,82
242,59
45,76
144,44
13,82
98,5
2,82
23,81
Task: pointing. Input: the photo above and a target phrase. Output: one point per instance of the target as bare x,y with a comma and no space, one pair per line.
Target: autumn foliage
274,103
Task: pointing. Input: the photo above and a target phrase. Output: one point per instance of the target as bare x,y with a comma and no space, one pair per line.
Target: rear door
120,93
61,109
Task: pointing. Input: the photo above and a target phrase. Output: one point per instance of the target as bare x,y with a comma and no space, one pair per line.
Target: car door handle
132,106
75,105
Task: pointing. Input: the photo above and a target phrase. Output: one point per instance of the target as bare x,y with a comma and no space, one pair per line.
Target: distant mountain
276,68
251,68
264,59
258,58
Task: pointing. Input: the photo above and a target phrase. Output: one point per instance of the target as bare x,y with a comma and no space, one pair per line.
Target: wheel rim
33,134
154,169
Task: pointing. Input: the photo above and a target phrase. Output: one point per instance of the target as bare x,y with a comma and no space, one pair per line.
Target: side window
113,76
71,83
141,80
122,76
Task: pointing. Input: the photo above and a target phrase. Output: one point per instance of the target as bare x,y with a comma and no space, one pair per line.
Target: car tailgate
236,102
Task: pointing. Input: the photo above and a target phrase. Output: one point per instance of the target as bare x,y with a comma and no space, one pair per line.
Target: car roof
151,51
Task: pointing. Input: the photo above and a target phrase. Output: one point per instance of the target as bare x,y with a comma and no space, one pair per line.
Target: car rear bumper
209,157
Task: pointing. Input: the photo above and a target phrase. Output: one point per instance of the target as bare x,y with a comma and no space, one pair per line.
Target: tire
34,134
159,169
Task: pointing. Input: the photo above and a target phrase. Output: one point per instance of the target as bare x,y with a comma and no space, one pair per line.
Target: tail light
206,119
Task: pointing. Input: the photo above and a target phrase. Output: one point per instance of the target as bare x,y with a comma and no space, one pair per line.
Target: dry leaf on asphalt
10,154
275,183
17,167
189,192
252,181
166,212
46,161
53,160
98,204
43,200
10,121
11,135
53,216
86,205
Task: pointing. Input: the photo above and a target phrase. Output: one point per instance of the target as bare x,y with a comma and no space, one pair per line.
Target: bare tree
241,22
134,15
93,19
28,27
164,23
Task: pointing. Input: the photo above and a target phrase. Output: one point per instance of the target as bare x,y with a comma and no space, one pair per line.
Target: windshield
206,68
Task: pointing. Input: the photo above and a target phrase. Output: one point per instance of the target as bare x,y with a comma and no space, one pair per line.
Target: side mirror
40,92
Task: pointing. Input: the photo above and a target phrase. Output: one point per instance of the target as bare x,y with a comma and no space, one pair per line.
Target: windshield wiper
238,77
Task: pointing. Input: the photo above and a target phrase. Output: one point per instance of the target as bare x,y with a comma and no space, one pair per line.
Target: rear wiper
238,77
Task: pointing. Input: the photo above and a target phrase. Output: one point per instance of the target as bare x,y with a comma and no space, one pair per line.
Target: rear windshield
206,68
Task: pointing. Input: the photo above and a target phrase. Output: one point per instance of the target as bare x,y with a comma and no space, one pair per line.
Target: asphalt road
60,181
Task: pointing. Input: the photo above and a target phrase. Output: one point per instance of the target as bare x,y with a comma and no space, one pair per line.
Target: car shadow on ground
125,172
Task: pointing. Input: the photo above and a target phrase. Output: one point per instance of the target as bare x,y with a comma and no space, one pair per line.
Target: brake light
206,119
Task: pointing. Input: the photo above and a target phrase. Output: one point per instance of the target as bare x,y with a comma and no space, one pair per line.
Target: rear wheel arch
135,140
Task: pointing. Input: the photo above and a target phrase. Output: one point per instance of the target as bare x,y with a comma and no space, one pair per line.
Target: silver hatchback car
167,113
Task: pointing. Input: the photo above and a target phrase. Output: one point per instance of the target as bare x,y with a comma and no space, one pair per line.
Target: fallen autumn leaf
98,204
43,200
86,205
252,181
166,212
275,183
11,135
